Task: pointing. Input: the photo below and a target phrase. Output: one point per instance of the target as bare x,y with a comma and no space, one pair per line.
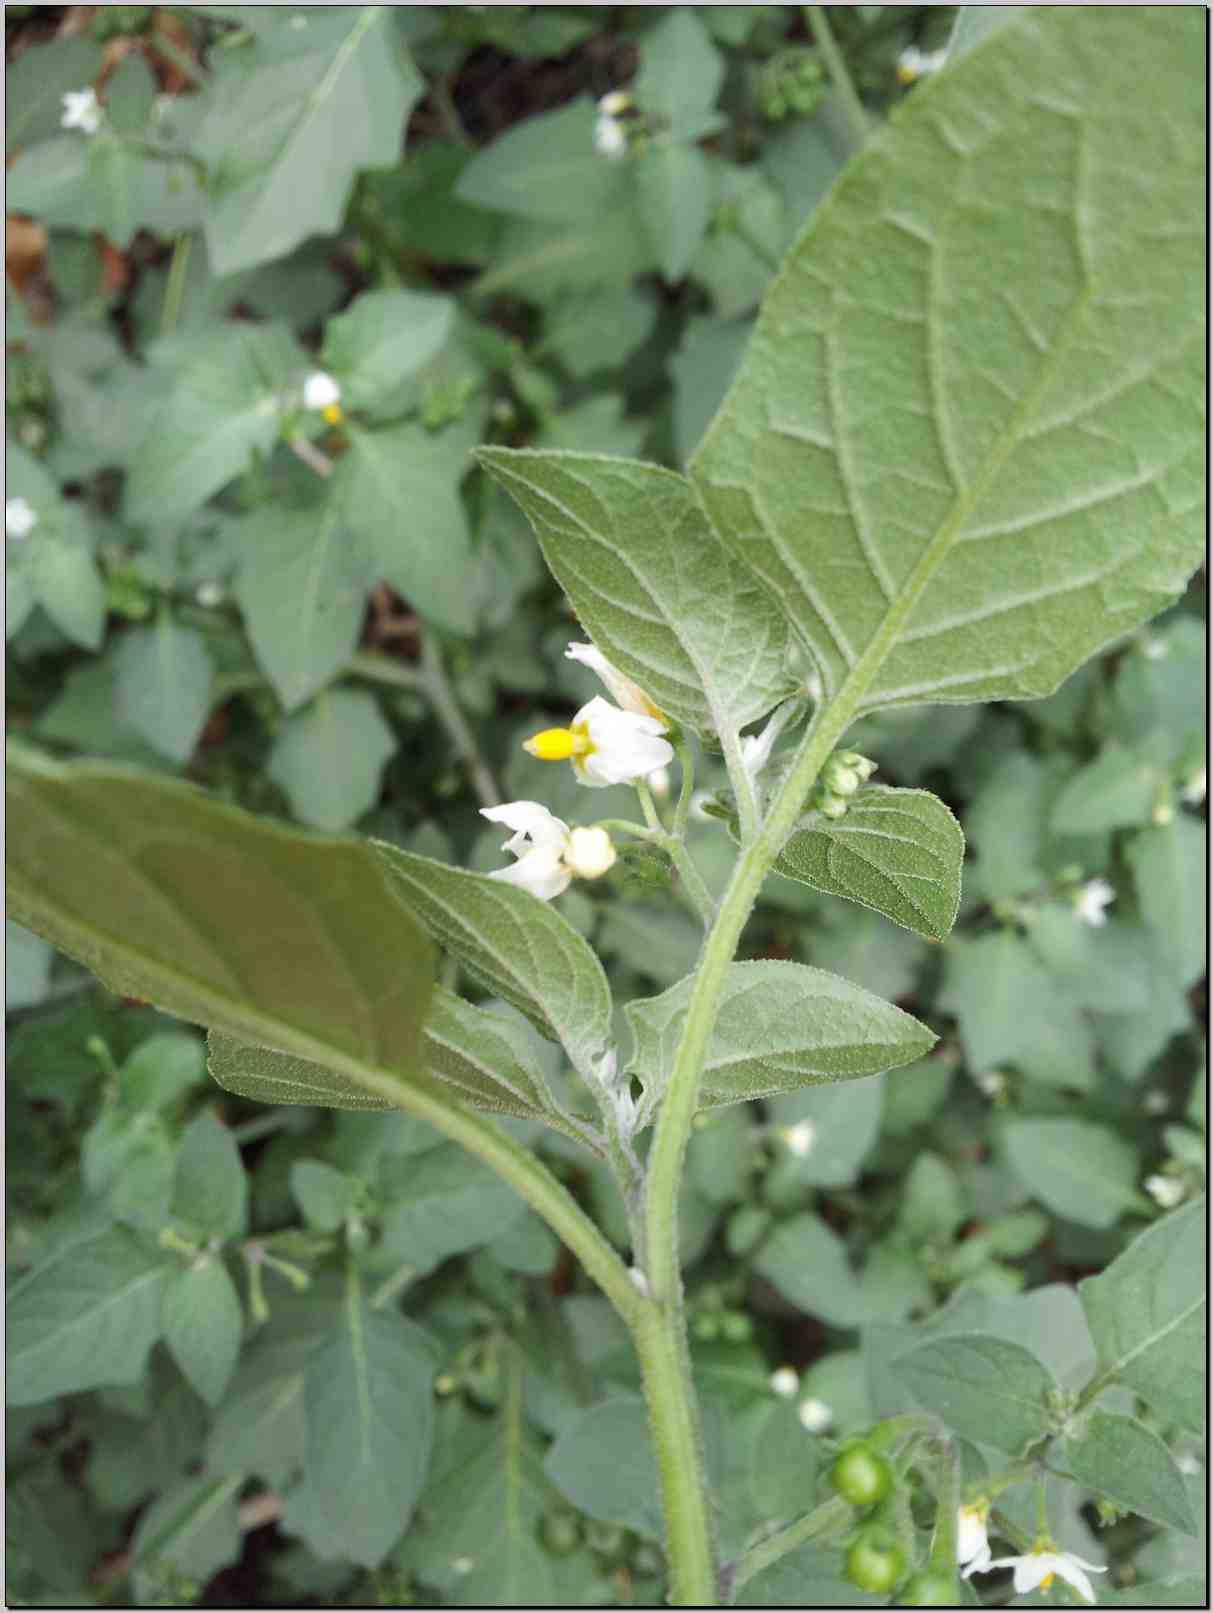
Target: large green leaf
1147,1313
329,758
780,1026
202,1323
88,1316
382,338
966,446
1128,1463
1080,1169
442,1204
986,1389
654,587
294,115
278,937
896,851
516,945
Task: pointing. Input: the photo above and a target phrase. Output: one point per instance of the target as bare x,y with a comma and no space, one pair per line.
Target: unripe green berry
929,1590
875,1562
736,1327
706,1328
861,1476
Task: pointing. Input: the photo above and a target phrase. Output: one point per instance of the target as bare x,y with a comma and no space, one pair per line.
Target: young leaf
516,945
659,594
202,1323
1124,1461
896,851
483,1056
1147,1315
88,1316
137,876
370,1419
210,1192
290,124
966,446
269,1077
1080,1169
329,759
986,1389
781,1026
163,685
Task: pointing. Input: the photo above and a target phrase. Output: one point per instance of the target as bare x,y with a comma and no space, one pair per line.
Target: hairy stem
829,1519
840,77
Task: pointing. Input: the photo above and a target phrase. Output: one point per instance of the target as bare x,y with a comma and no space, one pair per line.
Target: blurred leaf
977,393
842,1126
380,339
443,1204
1104,967
1147,1315
702,371
162,685
1170,872
1122,1460
603,1463
329,758
1115,791
210,1192
27,967
675,190
203,1323
546,169
293,118
780,1026
189,1534
897,851
36,80
1078,1168
681,72
986,1389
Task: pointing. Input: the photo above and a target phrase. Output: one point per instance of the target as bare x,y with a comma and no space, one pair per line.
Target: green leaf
1011,1011
986,1389
974,24
269,1077
1122,1460
443,1204
189,1534
1181,1590
210,1192
781,1026
1147,1315
1170,873
291,122
324,1194
329,759
35,82
517,947
1115,791
1078,1168
483,1056
382,338
657,592
680,75
546,169
674,186
897,851
302,586
603,1463
137,876
808,1264
27,967
946,452
398,491
203,1324
161,1070
163,685
843,1122
220,408
370,1417
1104,968
88,1316
65,582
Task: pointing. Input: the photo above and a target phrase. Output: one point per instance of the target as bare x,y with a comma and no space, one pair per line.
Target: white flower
659,783
1042,1567
1166,1191
913,63
605,745
993,1083
20,518
626,694
815,1416
610,137
320,391
784,1382
800,1138
550,854
81,110
1091,900
972,1542
1197,787
1155,649
614,103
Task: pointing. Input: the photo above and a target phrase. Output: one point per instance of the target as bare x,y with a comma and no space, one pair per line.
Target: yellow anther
1047,1581
333,414
557,744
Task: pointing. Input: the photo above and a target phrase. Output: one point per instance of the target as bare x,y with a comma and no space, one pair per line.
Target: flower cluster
81,110
606,745
1038,1567
841,777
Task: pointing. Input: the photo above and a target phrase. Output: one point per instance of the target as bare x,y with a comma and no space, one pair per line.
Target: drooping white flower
799,1139
914,64
972,1541
320,391
1196,787
1091,900
20,518
605,745
626,694
1166,1191
815,1416
610,136
784,1382
81,110
1042,1567
550,854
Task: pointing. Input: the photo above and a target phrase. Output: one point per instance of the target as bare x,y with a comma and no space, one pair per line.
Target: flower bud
589,853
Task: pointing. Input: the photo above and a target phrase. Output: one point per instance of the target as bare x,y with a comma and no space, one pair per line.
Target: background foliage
291,1355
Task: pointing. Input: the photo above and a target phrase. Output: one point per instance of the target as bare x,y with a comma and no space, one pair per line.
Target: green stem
682,811
174,291
840,77
944,1474
692,880
829,1519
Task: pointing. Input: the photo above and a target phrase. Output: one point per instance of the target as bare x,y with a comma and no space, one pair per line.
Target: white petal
627,694
971,1538
1030,1570
540,871
320,391
528,819
626,745
1069,1569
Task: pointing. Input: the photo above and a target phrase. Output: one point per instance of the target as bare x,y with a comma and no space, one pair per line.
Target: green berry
736,1327
875,1562
929,1590
861,1476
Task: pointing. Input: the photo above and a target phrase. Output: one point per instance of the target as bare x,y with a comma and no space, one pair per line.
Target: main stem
661,1342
